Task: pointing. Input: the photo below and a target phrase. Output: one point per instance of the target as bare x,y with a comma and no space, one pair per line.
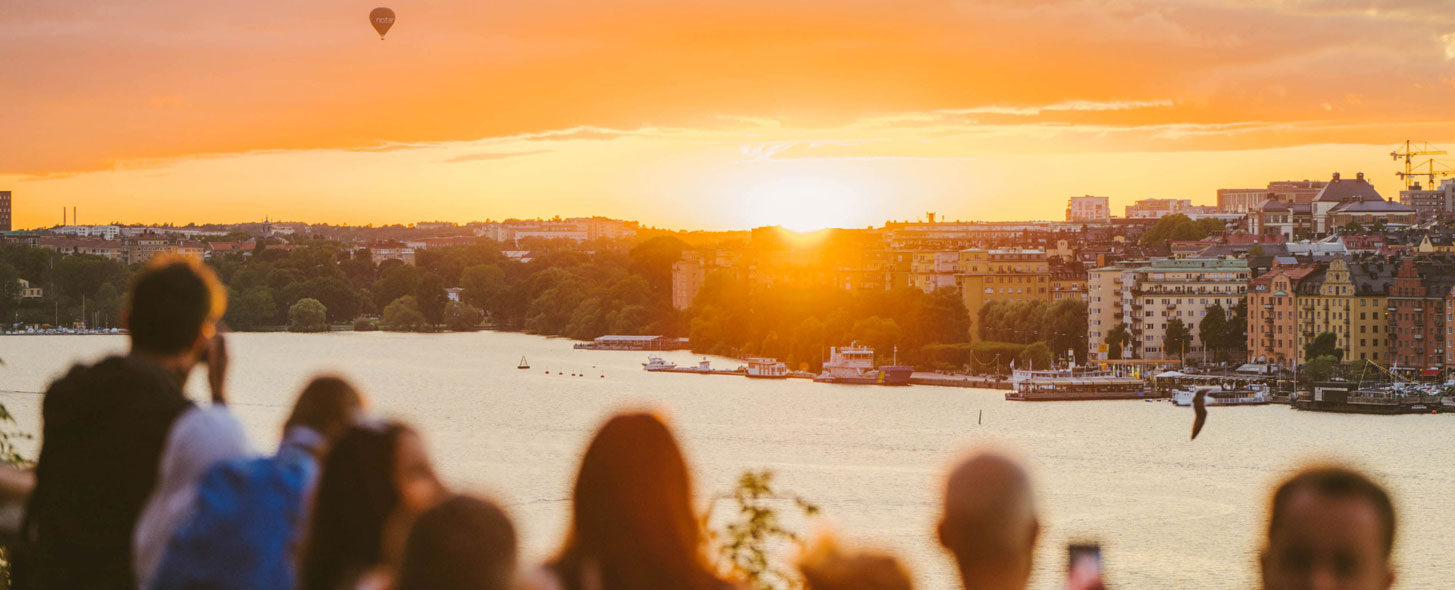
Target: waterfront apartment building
1002,275
690,273
1347,299
1148,294
1067,283
1089,209
5,211
1272,335
1416,309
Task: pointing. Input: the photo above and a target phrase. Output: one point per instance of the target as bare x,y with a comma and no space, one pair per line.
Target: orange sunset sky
701,113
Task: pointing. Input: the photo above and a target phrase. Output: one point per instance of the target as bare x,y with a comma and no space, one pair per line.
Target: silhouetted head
1329,527
173,307
462,543
328,405
632,520
825,566
990,523
374,473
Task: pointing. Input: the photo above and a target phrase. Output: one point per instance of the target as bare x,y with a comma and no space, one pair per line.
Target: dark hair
170,301
632,515
328,405
463,543
1338,483
356,494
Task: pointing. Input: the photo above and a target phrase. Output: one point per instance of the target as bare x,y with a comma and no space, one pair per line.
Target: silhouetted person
825,566
105,426
989,524
1329,528
463,543
373,484
632,522
249,513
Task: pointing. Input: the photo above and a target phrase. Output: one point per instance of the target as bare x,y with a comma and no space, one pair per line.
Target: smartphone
1083,565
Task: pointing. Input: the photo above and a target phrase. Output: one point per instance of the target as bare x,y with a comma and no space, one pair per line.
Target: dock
940,380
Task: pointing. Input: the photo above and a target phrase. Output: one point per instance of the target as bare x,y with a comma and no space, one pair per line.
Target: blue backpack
246,526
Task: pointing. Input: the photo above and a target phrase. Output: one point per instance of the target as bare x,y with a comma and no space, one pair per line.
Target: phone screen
1083,565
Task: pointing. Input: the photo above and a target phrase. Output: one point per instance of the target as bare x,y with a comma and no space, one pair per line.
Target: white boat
766,368
1223,396
854,364
655,363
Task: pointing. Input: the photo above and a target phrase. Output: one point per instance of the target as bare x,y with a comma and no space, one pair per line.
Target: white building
1088,208
1148,294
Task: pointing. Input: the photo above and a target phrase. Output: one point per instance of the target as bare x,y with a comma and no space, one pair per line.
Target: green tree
1177,340
1353,227
1320,368
461,317
747,541
880,333
307,315
1117,339
1325,344
252,309
402,315
1036,356
399,281
1064,328
1213,329
652,260
481,284
432,298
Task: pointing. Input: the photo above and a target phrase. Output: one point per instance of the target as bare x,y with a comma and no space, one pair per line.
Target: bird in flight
1199,407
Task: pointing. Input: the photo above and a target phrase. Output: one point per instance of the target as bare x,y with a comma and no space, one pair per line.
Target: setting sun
802,203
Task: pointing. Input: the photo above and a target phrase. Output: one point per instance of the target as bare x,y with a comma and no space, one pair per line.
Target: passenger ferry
1224,395
854,364
655,363
765,368
1074,385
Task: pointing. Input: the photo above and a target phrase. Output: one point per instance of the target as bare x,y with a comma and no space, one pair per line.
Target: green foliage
402,315
1035,356
1353,227
1064,328
880,333
307,315
1256,251
747,542
1117,340
432,298
252,309
363,324
462,317
1214,330
1321,368
1177,340
994,357
1325,344
399,281
1180,228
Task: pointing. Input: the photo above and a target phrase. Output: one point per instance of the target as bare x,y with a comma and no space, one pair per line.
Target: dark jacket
102,438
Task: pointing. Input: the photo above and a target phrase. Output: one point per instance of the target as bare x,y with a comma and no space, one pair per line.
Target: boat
1075,385
655,363
1224,395
703,366
523,364
1347,398
854,365
766,368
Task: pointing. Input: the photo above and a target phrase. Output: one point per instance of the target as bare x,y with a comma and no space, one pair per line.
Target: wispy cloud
492,156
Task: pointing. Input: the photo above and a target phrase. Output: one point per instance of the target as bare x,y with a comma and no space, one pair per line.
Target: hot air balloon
382,18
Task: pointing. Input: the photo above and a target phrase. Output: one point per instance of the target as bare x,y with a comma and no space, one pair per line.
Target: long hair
632,522
356,494
328,405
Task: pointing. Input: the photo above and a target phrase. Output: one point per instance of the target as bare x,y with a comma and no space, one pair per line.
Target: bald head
990,521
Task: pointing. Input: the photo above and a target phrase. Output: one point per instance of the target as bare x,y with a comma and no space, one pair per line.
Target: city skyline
709,116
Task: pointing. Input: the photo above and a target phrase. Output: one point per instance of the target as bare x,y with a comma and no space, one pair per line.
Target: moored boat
655,363
766,368
1073,387
854,365
1223,395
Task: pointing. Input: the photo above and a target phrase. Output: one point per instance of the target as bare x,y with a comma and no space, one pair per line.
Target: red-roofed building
231,247
1273,314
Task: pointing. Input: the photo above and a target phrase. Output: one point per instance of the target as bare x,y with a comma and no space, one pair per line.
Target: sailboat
523,364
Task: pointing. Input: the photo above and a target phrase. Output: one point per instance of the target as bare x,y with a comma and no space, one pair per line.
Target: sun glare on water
802,203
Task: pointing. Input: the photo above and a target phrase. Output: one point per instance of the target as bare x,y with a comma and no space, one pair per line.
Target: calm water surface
1169,513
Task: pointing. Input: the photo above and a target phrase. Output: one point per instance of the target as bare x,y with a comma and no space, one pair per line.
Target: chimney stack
63,216
1336,177
1360,176
73,215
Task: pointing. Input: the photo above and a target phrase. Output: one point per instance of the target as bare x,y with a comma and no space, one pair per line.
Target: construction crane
1435,168
1411,151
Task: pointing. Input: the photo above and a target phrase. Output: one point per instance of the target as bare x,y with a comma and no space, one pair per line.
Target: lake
1169,513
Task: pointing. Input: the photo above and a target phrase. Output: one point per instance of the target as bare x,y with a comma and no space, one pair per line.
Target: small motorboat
523,364
655,363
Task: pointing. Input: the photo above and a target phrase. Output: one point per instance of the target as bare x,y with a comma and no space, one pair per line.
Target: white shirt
200,438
